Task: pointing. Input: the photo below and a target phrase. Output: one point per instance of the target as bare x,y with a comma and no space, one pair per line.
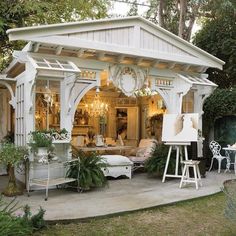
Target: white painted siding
150,41
124,36
118,36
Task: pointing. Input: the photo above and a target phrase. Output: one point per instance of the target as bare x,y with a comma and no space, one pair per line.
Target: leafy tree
20,13
134,9
221,103
218,37
176,16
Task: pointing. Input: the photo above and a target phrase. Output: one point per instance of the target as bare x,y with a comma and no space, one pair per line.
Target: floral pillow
143,152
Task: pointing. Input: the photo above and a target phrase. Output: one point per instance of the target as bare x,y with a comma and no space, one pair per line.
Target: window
47,104
188,102
198,80
55,64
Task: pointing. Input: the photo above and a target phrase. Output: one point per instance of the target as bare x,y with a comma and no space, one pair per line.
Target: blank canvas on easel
180,127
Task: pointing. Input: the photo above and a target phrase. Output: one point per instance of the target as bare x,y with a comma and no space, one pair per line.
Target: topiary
12,155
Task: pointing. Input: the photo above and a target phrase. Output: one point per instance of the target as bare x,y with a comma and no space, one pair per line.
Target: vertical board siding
150,41
118,36
124,36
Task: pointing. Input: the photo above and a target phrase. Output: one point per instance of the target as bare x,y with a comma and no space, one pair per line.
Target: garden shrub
155,164
36,221
11,225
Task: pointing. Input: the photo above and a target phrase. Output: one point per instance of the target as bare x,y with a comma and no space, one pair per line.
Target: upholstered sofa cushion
137,159
146,147
116,160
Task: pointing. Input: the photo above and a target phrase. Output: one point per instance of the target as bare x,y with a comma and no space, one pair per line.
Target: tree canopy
176,16
218,37
20,13
221,103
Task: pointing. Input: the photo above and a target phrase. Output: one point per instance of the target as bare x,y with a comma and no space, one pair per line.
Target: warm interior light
145,90
97,107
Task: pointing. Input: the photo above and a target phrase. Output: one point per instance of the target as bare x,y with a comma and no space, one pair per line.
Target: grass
203,216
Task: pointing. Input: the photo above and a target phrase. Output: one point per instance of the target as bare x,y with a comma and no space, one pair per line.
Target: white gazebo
118,57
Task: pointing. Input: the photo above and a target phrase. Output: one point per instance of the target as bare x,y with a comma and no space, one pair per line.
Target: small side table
196,172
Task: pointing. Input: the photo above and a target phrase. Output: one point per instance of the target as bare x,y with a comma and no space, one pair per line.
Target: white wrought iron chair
215,149
142,152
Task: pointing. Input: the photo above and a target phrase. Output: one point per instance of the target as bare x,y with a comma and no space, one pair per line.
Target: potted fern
12,155
88,170
155,164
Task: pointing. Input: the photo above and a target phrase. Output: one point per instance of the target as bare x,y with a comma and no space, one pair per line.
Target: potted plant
40,142
12,155
88,170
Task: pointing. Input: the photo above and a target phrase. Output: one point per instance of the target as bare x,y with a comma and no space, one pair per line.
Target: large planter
42,151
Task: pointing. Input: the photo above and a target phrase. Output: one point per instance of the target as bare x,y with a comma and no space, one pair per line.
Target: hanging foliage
218,37
221,103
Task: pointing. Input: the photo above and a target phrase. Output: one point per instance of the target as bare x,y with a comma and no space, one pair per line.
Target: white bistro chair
215,149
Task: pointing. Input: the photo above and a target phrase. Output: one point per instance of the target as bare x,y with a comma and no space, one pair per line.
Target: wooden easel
179,155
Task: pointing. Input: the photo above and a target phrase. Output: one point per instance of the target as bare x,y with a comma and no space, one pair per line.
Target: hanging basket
230,192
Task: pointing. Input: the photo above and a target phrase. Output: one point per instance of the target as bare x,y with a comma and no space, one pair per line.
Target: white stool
185,176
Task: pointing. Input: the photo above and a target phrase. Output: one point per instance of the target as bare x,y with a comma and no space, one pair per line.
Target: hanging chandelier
97,107
145,90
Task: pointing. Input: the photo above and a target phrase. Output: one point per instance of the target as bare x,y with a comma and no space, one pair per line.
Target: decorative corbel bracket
70,82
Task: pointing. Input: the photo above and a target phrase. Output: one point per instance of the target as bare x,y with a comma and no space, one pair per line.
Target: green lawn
204,216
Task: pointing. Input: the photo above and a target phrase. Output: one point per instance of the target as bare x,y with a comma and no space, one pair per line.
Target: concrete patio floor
121,195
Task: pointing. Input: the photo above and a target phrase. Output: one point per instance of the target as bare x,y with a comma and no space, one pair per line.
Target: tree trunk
188,33
12,189
183,12
160,13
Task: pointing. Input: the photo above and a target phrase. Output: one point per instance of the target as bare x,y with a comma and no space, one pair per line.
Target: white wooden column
25,103
200,95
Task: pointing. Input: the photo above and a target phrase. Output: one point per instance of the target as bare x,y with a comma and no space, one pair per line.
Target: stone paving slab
121,195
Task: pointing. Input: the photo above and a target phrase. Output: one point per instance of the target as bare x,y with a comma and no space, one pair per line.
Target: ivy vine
221,103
